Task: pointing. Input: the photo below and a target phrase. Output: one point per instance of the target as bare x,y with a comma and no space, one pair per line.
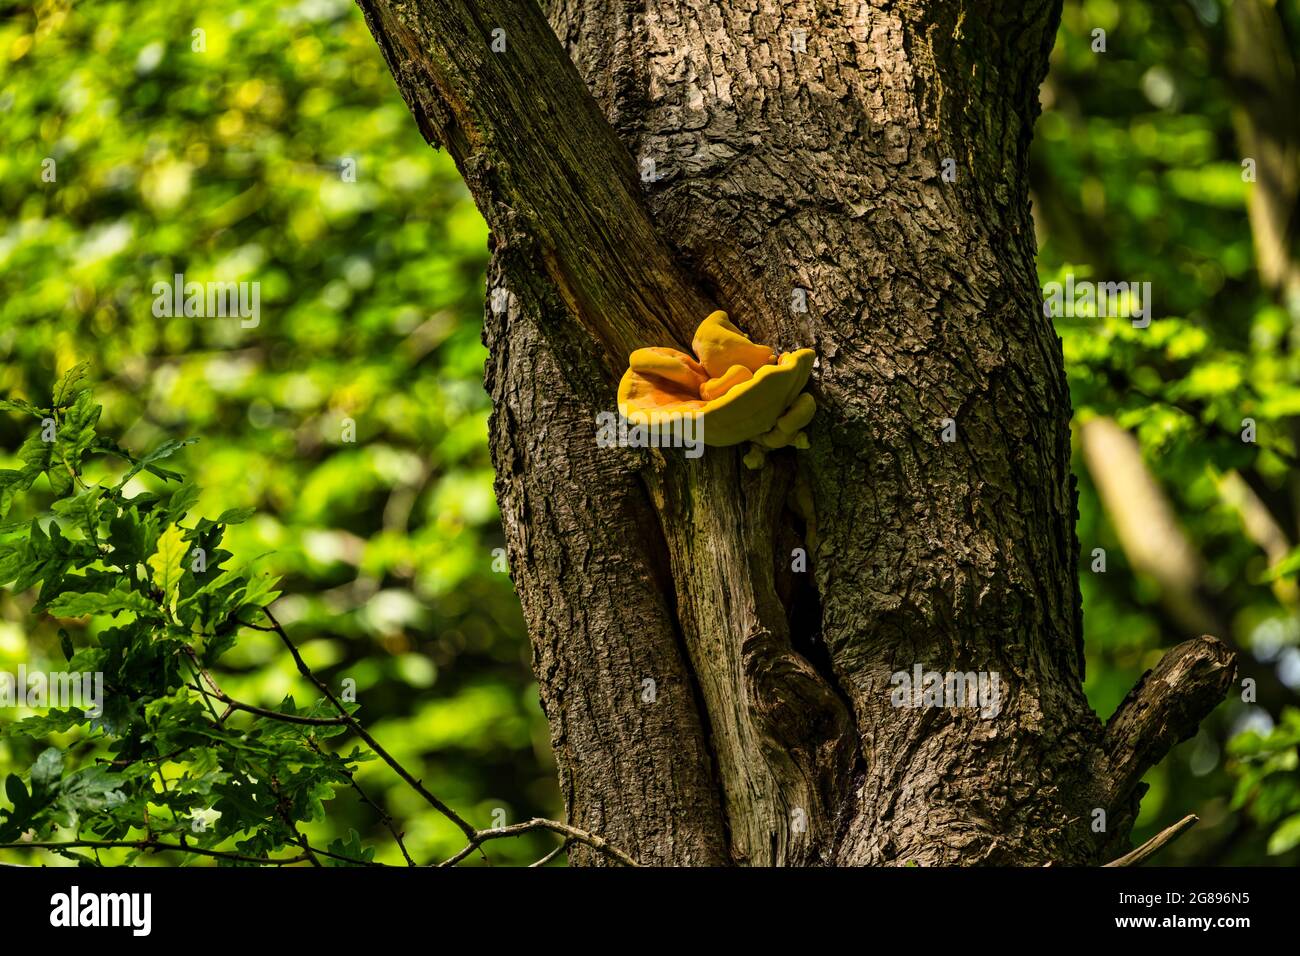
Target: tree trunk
712,698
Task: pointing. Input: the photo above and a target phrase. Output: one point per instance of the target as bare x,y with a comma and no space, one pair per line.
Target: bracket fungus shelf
736,390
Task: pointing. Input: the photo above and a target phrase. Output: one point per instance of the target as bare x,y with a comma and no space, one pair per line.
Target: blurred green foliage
232,163
235,162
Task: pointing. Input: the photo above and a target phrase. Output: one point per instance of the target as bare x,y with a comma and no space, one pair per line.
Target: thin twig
384,815
309,850
518,829
229,701
1153,846
361,732
287,819
127,761
153,846
564,845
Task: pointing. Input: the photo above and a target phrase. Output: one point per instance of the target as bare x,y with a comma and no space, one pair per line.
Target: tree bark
710,701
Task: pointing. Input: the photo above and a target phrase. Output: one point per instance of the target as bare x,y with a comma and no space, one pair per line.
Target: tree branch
570,833
489,81
1157,842
384,816
361,732
1164,708
233,704
564,845
154,845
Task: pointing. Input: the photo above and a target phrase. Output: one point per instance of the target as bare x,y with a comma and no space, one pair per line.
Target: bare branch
518,829
564,845
233,704
361,732
153,845
1164,708
1154,845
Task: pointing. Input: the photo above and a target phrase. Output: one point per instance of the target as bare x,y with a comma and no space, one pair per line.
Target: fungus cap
737,390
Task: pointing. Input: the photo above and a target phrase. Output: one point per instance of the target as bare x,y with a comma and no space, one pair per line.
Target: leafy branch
175,608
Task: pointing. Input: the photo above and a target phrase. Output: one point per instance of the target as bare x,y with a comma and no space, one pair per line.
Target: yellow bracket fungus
735,390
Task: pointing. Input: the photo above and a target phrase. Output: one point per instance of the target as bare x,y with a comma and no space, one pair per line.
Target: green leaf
78,605
18,405
131,537
167,564
181,501
1286,836
11,483
83,510
76,434
352,849
11,561
15,820
35,454
94,788
165,450
47,771
45,558
260,591
57,721
72,385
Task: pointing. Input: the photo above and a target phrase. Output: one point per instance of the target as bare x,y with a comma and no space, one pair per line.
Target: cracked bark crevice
780,734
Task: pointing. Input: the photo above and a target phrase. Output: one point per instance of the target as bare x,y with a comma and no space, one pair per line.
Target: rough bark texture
709,701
